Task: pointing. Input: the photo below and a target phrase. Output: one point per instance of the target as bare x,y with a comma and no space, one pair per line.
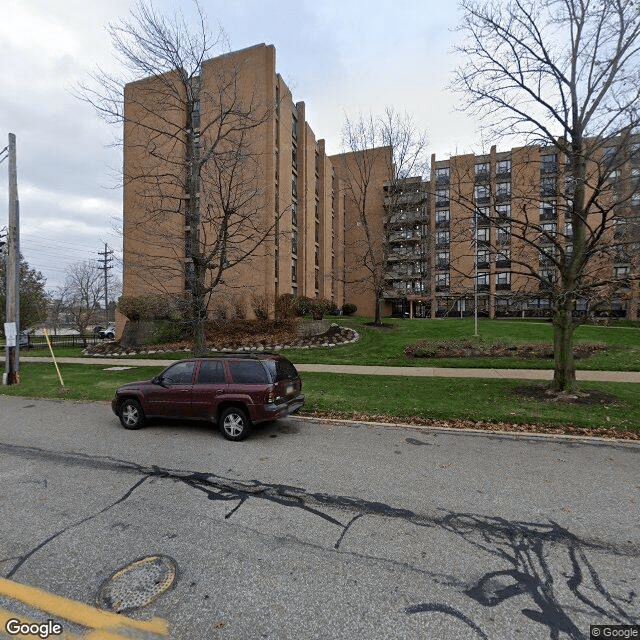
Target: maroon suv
231,390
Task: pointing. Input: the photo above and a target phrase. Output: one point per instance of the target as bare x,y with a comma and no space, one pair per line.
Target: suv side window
211,372
281,370
248,372
180,373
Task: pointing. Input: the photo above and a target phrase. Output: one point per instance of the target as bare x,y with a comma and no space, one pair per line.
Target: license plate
289,389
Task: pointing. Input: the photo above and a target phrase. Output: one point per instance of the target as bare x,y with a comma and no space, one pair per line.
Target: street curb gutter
511,434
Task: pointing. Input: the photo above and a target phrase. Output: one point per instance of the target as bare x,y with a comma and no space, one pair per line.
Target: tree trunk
564,375
378,316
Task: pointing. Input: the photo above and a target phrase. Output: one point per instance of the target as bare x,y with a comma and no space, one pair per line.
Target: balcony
503,264
505,286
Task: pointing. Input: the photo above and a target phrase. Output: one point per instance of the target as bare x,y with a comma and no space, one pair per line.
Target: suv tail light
270,395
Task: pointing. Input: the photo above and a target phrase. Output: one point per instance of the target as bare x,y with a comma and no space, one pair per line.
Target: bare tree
193,163
376,150
80,295
562,74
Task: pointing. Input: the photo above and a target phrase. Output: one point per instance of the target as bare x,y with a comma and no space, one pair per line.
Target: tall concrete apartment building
440,257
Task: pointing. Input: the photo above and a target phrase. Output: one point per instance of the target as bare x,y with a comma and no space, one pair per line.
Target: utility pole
105,263
12,274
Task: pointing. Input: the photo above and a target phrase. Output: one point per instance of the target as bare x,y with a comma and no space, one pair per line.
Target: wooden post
12,271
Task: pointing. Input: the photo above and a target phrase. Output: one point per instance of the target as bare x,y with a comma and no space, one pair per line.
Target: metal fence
39,342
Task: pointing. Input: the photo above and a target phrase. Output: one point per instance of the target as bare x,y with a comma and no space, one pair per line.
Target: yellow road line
77,612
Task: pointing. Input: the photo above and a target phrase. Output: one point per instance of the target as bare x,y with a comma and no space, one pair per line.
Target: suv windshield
281,370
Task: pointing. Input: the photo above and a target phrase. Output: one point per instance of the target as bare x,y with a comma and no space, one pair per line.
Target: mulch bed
471,349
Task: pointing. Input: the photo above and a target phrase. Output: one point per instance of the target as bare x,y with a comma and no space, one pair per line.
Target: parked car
109,332
24,339
234,391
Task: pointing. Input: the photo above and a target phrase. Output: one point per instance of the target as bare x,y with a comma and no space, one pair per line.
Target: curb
466,430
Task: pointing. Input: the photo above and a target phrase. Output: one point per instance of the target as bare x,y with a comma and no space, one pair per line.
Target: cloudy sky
341,57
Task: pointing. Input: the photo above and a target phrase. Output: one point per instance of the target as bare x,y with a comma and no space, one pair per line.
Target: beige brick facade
433,247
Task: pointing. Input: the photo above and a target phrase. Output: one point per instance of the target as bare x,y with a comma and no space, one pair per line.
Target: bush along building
229,198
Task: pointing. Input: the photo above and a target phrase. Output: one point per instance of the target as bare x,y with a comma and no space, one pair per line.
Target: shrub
238,307
348,309
320,307
168,331
260,303
302,306
218,310
153,307
285,307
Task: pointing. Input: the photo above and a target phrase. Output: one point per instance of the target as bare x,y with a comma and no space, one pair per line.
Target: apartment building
447,245
463,238
297,199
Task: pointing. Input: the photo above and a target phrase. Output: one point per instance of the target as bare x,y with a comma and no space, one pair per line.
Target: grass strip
474,399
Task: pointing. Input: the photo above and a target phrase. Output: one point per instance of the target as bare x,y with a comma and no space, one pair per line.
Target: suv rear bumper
275,411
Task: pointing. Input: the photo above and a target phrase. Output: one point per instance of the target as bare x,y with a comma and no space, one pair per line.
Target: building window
503,258
294,241
503,189
442,174
442,280
481,192
549,228
503,233
503,210
548,186
442,197
442,216
443,259
294,186
442,238
503,167
294,270
294,126
503,279
549,163
482,235
548,210
294,156
482,169
483,280
482,257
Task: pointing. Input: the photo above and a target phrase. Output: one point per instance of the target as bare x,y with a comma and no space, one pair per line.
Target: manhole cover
138,584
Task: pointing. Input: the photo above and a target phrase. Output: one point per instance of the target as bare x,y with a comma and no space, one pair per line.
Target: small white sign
10,333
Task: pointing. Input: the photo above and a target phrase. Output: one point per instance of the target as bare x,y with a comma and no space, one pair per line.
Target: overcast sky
341,57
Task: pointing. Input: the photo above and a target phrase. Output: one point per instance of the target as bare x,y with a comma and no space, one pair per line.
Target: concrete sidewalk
420,372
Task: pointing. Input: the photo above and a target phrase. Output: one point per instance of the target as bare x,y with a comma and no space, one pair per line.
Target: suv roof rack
239,354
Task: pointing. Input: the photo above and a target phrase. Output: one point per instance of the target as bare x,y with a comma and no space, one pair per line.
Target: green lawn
436,398
386,346
465,398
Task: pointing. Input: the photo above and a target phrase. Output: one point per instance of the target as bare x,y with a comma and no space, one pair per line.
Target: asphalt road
315,530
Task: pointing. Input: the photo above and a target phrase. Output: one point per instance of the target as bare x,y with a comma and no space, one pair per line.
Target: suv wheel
234,424
131,414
